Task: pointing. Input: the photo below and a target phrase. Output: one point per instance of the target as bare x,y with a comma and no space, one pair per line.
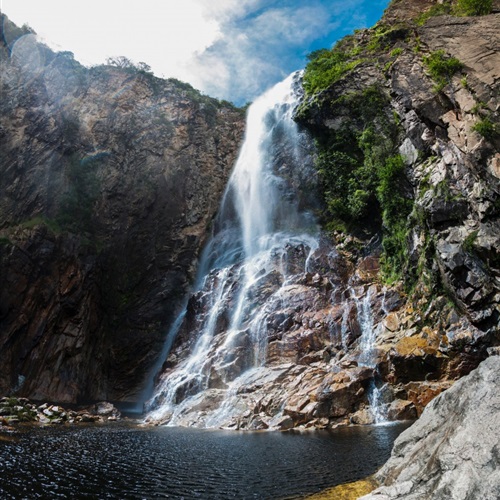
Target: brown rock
401,410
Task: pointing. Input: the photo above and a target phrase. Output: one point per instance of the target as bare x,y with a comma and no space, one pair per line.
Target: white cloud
231,49
161,33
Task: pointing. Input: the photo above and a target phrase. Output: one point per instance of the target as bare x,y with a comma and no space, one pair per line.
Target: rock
417,357
451,452
105,409
494,351
362,417
401,410
422,393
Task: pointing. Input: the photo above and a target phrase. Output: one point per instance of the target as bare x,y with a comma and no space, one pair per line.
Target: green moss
469,242
396,52
442,67
40,220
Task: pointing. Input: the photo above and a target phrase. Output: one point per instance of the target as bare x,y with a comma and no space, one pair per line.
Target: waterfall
261,237
367,346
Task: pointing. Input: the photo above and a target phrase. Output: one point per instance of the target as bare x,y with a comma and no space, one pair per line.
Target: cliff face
443,231
109,180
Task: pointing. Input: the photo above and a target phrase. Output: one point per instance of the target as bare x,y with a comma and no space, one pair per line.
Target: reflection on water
125,462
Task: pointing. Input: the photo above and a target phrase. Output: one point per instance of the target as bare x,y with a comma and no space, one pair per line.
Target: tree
120,62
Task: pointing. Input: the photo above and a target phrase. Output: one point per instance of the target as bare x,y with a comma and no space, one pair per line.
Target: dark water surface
120,461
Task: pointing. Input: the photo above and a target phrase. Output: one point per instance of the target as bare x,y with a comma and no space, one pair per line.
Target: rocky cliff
109,180
401,296
417,98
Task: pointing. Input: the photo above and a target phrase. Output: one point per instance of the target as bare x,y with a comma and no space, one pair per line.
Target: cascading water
245,265
367,345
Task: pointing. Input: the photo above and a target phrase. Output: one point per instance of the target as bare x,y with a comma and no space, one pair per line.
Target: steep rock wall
109,180
447,248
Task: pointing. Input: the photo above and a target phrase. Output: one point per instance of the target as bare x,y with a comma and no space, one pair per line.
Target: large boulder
452,451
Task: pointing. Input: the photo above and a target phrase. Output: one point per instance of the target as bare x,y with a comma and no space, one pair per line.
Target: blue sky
230,49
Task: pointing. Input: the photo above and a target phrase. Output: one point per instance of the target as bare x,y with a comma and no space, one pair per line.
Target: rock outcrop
452,451
109,179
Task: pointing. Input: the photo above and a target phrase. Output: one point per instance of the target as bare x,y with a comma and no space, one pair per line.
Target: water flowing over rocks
109,180
282,331
451,452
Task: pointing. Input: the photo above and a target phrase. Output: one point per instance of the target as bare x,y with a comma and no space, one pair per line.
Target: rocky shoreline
15,410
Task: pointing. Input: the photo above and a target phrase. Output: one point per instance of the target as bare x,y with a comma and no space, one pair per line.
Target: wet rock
285,423
363,417
106,409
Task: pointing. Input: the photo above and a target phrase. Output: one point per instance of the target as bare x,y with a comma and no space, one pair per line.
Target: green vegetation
325,67
383,36
473,7
396,52
363,178
40,220
442,68
486,128
478,107
439,9
469,242
5,241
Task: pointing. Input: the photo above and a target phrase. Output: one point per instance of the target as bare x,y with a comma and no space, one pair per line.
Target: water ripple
125,462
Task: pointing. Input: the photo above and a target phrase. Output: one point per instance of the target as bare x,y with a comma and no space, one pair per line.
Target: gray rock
452,451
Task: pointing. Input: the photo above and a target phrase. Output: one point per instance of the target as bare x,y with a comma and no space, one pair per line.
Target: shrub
486,128
442,67
473,7
438,9
325,67
391,179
